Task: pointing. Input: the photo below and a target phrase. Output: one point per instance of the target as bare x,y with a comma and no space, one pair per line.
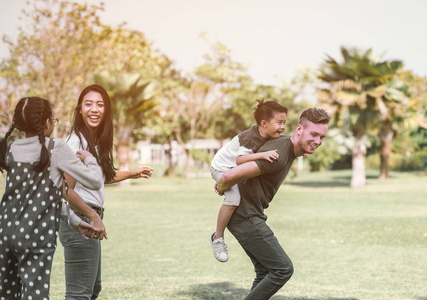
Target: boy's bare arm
234,175
267,155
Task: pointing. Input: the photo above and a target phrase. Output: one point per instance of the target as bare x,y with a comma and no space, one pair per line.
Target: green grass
345,244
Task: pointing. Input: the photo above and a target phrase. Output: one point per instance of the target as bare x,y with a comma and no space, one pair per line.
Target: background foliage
64,46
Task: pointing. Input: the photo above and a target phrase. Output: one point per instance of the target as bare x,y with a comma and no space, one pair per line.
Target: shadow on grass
319,184
214,291
338,181
227,291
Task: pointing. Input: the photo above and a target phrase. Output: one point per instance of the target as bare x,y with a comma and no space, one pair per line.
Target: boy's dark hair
315,115
266,110
104,136
30,115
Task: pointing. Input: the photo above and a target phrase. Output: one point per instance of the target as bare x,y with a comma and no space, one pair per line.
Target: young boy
271,118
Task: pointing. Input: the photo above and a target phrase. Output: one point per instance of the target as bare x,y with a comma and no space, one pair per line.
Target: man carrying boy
258,182
270,117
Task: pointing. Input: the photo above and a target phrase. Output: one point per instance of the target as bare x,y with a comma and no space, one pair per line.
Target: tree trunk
386,138
123,152
358,179
123,158
187,163
172,161
184,150
187,159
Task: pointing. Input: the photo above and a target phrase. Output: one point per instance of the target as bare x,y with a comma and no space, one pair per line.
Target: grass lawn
345,244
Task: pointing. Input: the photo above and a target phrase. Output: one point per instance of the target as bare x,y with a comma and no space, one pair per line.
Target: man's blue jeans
273,267
82,260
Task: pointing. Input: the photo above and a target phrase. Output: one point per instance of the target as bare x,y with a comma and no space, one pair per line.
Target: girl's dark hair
103,139
266,110
30,116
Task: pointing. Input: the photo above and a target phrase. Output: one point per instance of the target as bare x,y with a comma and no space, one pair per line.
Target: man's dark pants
273,267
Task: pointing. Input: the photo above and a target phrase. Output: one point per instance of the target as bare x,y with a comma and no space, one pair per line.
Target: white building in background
156,154
147,153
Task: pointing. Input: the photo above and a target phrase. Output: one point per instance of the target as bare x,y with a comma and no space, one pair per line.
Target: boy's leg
219,248
230,203
224,216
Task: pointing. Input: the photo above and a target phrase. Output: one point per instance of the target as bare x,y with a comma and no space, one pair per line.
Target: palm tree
187,113
367,93
393,105
132,104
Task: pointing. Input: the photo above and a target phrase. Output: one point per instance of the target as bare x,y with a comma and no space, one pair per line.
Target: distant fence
148,153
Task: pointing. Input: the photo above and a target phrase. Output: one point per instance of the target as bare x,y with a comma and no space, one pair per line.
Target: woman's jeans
273,267
82,263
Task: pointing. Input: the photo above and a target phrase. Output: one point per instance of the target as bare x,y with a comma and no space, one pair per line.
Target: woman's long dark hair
104,135
30,116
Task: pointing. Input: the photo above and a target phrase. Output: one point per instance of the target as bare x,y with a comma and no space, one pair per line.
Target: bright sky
273,37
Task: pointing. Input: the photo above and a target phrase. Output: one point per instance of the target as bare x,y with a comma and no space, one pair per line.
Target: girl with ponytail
31,205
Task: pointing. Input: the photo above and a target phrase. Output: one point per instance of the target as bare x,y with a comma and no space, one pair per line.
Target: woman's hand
100,232
82,154
85,229
141,172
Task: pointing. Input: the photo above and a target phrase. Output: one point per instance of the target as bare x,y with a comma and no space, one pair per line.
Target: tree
132,55
132,101
230,78
413,125
132,76
54,55
366,92
187,113
59,54
242,101
190,105
170,120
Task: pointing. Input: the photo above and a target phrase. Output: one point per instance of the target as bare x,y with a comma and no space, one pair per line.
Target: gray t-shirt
63,160
257,192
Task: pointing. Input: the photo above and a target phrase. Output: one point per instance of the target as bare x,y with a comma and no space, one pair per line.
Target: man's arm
239,173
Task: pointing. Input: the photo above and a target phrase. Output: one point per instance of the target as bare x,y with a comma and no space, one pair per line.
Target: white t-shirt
246,142
91,197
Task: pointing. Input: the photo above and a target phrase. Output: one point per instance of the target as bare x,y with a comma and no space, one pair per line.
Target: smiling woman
92,111
92,130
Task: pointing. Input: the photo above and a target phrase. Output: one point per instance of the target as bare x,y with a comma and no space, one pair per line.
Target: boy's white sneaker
219,248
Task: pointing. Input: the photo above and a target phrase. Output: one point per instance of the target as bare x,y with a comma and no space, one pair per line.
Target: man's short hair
315,115
266,110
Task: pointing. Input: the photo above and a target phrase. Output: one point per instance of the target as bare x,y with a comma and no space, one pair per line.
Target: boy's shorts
232,196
